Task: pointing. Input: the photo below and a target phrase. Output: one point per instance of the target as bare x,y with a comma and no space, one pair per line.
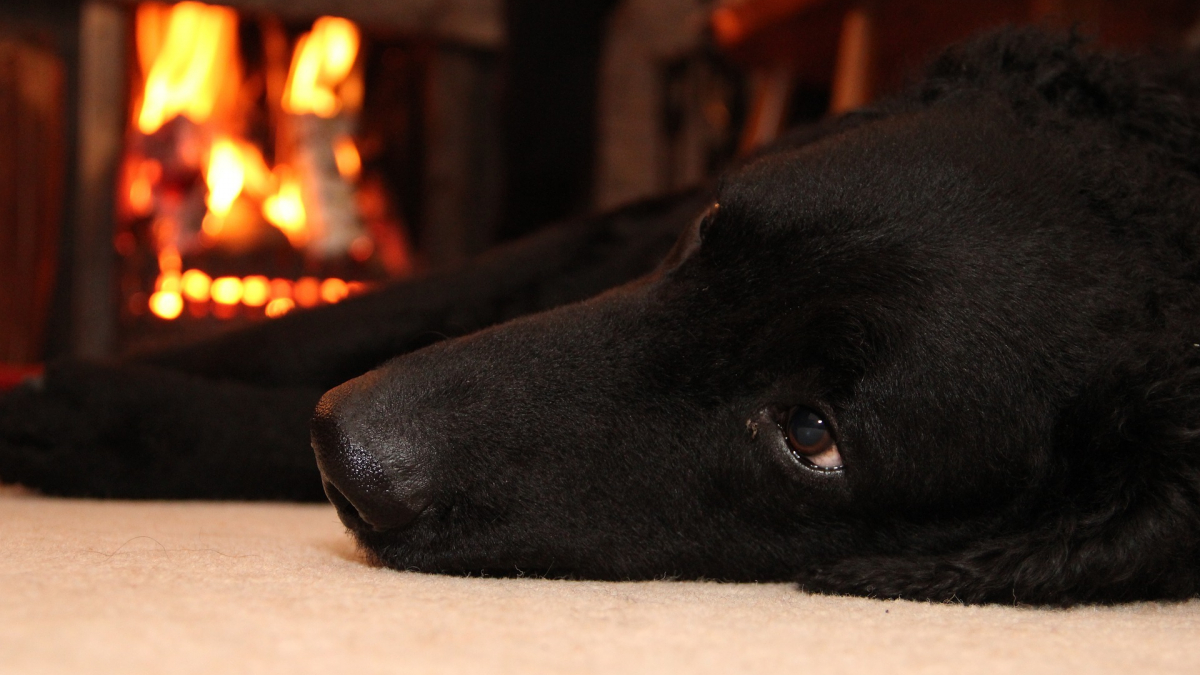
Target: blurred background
171,170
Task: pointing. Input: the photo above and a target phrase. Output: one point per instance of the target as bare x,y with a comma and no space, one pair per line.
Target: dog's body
945,348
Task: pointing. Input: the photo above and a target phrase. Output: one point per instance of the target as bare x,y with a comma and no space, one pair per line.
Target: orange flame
345,154
188,54
322,61
189,61
226,176
141,187
285,208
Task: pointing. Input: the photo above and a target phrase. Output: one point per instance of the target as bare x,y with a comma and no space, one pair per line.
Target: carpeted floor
120,587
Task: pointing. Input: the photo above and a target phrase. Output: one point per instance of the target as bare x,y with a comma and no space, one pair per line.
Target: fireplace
240,194
207,170
240,159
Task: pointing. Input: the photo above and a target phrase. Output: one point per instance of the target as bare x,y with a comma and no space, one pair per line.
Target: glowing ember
166,302
322,60
166,305
281,288
196,285
184,78
307,292
227,290
333,290
279,306
255,291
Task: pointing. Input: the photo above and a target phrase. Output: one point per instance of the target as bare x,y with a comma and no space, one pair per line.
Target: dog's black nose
373,480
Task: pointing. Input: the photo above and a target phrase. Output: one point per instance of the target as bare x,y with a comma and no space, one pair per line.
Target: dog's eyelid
689,240
700,229
706,219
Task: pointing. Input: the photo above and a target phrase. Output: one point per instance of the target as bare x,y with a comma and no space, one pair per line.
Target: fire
166,305
188,53
169,260
227,290
322,61
255,291
259,181
285,208
345,154
276,296
166,301
279,306
281,289
196,285
334,290
141,187
226,176
184,78
307,292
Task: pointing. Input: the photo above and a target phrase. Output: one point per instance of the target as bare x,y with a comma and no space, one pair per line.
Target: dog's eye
808,436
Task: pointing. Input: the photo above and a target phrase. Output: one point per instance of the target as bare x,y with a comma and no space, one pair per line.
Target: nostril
362,491
373,483
345,510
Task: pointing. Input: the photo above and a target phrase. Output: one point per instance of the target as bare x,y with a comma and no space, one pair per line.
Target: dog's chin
392,551
414,549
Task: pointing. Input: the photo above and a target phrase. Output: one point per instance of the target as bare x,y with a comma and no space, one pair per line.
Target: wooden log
331,214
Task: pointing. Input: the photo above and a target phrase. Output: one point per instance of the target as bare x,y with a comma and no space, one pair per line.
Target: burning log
332,217
321,121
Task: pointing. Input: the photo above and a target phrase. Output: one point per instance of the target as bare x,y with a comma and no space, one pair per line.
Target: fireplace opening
242,193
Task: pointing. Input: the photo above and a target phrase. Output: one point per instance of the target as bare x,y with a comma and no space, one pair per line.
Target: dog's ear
1120,517
1115,518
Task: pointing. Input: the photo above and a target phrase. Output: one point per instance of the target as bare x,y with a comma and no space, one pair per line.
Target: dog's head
926,356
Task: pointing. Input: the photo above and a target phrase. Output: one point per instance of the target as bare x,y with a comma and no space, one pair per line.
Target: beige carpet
119,587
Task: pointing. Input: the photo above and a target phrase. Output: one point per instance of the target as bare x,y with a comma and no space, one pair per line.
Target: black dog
948,347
